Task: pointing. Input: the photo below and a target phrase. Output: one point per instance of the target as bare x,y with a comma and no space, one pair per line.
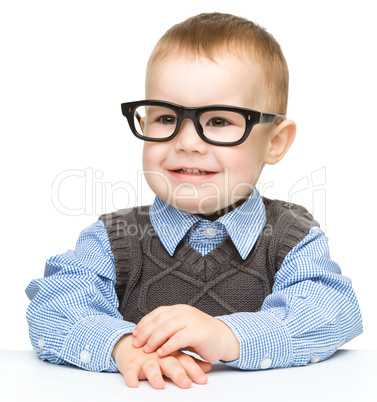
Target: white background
67,65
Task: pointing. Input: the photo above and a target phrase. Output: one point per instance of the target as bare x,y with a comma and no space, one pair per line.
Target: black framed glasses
159,121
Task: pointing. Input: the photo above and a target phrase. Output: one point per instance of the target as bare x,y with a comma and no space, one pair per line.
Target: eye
167,120
218,122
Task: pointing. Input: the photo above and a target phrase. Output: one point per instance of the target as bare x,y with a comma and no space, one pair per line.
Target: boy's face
187,172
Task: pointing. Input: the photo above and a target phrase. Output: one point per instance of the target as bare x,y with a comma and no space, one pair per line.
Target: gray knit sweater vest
219,283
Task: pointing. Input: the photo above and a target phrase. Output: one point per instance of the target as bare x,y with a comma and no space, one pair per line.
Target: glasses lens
155,121
223,126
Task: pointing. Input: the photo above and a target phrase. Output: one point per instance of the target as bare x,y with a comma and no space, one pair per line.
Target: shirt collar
244,224
170,224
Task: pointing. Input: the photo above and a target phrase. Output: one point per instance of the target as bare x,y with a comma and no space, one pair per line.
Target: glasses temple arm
269,118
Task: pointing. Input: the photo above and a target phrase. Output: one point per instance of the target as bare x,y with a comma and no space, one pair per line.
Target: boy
211,267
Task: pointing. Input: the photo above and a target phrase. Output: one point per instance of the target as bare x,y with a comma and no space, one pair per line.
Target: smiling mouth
192,171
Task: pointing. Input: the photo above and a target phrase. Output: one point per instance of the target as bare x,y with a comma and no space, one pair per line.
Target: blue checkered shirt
73,316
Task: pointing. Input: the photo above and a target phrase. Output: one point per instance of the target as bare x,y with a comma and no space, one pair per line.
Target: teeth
191,171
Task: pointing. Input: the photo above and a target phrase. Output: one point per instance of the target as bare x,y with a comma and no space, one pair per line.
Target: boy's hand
169,328
137,365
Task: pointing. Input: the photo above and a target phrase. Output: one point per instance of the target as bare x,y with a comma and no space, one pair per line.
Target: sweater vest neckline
204,266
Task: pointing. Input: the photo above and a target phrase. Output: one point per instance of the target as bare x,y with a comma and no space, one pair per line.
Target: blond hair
207,34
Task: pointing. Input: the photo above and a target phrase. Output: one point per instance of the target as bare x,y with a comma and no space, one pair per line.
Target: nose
188,140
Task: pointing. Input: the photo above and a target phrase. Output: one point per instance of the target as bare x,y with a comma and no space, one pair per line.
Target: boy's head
215,59
213,34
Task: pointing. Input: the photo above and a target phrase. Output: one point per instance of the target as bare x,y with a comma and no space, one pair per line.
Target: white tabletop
349,375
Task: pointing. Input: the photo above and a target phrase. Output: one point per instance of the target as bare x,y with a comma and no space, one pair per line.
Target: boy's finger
152,372
205,366
157,331
158,336
142,334
131,375
144,329
173,369
147,318
179,340
195,369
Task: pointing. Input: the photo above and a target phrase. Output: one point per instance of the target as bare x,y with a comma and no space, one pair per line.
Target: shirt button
210,233
315,359
41,343
85,356
265,363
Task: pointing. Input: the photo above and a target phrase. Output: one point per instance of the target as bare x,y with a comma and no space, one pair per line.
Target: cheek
153,155
239,161
244,167
151,160
147,157
155,177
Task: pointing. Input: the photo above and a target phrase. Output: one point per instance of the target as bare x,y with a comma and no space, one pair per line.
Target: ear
282,137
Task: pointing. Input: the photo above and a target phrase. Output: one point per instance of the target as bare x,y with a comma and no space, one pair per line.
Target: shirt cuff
90,342
264,341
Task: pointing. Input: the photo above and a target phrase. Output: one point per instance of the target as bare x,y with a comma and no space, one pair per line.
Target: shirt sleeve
311,312
73,316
